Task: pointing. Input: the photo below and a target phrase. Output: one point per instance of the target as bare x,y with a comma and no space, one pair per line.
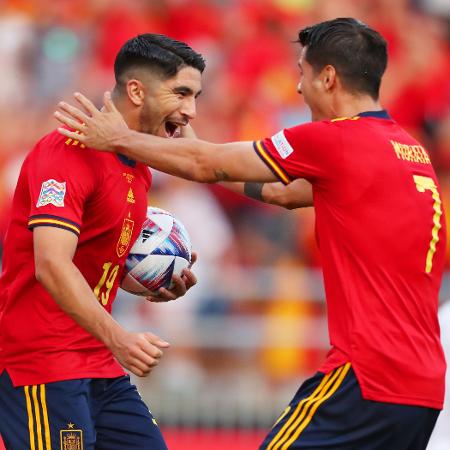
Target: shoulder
320,133
55,142
54,153
58,147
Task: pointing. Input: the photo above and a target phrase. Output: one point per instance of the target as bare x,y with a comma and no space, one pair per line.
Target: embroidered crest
71,439
125,237
52,193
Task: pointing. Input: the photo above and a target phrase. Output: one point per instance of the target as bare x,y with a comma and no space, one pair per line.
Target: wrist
112,334
119,143
254,190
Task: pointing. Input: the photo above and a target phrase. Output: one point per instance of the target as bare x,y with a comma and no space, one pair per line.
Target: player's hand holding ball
181,284
158,265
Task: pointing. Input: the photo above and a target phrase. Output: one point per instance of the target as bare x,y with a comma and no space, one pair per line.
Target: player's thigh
123,421
328,412
45,416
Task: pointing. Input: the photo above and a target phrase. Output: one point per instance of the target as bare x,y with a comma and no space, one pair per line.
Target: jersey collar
124,160
383,114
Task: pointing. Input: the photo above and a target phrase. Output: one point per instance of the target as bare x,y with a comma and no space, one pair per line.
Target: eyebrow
186,90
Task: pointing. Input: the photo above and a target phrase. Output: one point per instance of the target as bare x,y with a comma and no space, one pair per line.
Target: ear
329,77
135,92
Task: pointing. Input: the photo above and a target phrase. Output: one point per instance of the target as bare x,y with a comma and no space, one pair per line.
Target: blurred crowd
247,251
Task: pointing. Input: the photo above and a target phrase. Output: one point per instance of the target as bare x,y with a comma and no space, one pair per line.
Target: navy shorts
328,412
82,414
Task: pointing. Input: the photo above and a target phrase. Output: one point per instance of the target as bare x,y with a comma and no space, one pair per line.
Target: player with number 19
76,214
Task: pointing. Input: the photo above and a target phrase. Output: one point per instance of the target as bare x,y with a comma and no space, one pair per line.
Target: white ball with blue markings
162,249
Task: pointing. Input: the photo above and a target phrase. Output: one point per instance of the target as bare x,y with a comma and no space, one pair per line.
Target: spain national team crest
125,237
52,193
71,439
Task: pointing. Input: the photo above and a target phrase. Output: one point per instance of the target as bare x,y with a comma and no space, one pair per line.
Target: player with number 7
380,229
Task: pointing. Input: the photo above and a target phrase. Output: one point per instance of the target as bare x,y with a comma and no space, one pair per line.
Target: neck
131,119
351,105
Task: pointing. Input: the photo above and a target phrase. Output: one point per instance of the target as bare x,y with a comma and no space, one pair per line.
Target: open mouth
172,129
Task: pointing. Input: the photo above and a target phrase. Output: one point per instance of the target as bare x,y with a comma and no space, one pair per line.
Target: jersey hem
367,394
399,399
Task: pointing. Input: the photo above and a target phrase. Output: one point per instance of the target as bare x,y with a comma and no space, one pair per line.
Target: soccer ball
163,248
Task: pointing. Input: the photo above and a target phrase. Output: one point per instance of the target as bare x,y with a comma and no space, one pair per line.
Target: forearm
298,194
184,157
70,290
194,159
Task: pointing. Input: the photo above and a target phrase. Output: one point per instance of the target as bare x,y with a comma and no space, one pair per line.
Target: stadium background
254,327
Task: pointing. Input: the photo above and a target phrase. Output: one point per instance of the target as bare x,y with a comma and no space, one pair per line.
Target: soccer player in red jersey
61,380
380,228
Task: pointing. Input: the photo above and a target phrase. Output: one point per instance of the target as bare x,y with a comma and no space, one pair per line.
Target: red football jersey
102,198
381,232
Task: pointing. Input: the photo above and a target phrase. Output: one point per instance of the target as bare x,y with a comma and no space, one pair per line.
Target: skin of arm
54,249
191,159
297,194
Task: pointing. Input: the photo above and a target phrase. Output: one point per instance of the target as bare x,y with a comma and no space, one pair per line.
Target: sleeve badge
52,193
282,145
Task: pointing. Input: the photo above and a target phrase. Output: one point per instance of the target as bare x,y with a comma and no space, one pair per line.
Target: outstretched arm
192,159
297,194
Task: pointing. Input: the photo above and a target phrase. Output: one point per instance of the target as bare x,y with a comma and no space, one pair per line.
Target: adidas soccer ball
162,249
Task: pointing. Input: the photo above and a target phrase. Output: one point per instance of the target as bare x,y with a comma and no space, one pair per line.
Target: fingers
75,124
109,104
163,295
194,257
143,359
86,104
156,340
74,112
71,134
189,278
180,287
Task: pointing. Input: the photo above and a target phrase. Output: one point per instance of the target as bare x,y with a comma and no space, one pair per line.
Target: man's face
171,103
313,90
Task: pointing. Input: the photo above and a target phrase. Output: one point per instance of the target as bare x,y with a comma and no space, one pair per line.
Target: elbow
290,206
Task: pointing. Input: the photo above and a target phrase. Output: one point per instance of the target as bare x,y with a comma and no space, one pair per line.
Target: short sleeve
60,180
308,151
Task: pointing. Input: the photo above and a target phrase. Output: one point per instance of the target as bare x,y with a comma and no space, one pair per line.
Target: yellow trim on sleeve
54,222
268,159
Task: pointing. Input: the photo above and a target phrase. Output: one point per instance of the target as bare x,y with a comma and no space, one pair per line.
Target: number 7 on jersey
424,184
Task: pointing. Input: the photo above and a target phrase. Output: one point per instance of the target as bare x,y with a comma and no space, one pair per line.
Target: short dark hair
358,53
157,52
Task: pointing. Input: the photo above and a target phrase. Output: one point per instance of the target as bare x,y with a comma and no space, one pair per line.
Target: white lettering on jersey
282,145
